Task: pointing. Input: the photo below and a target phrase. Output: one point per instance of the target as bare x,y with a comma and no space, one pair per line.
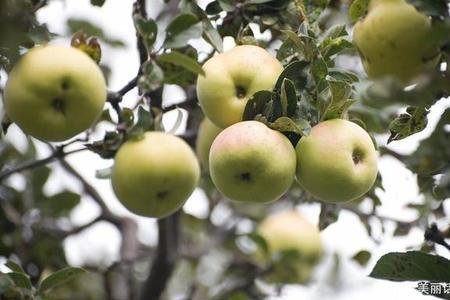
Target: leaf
14,267
257,104
176,74
145,122
288,98
88,45
147,29
98,2
75,25
358,9
182,60
433,8
104,173
21,280
59,278
285,124
152,77
296,72
60,204
412,266
6,283
213,8
183,28
362,257
413,121
260,242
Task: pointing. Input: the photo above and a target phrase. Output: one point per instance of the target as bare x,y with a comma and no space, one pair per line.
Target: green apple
231,78
153,176
252,163
293,244
207,132
395,39
54,93
337,161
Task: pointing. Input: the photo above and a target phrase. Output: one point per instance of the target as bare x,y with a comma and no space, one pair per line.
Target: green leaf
182,60
362,257
413,121
257,104
288,98
98,2
358,9
213,8
412,266
152,77
176,74
59,278
21,280
433,8
14,267
145,122
90,29
329,214
147,29
6,283
60,204
260,242
183,28
284,124
319,70
296,72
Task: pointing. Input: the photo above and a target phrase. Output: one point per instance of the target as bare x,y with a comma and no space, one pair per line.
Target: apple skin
290,231
155,175
207,132
250,162
53,93
231,78
337,161
395,39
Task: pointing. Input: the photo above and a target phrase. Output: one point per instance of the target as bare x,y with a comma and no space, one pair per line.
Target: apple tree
262,81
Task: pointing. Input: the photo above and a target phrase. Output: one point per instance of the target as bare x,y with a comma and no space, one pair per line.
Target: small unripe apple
154,176
54,93
290,231
395,39
207,132
231,78
337,161
250,162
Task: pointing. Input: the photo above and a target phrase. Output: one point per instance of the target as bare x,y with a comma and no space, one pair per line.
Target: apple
207,132
286,233
153,176
54,93
395,39
231,78
337,161
252,163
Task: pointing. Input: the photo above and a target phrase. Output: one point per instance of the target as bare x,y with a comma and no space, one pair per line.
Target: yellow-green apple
288,233
337,161
53,93
395,39
154,175
231,78
250,162
207,132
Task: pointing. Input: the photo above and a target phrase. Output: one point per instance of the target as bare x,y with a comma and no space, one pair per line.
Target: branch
166,256
57,154
433,234
106,215
114,98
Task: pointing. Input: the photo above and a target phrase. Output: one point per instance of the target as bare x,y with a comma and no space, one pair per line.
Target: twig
107,215
433,234
58,153
114,98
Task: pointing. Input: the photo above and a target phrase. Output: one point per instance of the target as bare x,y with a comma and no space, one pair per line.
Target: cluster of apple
250,162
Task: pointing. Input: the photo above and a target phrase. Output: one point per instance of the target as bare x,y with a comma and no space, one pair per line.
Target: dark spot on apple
162,194
246,176
240,91
65,85
357,156
59,105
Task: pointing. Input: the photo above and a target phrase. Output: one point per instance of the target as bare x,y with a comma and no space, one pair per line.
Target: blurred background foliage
206,258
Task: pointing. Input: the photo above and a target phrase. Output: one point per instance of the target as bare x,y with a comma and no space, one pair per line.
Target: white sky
346,237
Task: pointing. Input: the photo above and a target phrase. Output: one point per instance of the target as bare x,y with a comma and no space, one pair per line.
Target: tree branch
433,234
166,256
57,153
